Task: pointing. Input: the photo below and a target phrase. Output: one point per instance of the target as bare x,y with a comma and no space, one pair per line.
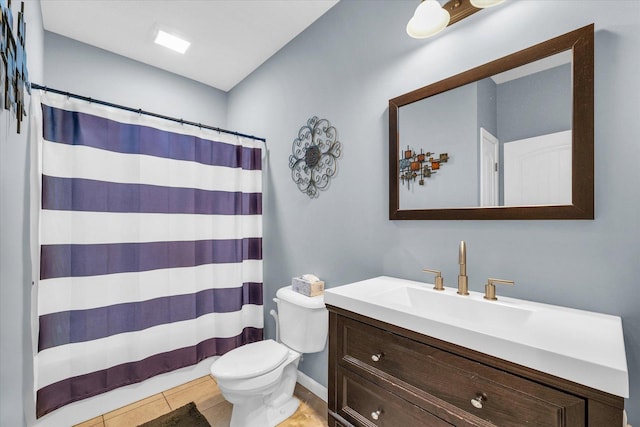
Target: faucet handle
490,288
439,280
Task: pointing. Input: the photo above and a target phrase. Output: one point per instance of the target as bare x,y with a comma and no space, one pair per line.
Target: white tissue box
306,287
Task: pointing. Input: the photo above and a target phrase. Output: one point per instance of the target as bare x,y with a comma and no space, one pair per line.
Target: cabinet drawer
498,397
365,404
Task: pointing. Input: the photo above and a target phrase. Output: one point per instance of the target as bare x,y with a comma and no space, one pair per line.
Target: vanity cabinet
384,375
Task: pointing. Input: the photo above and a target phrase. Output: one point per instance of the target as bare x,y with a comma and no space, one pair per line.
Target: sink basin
453,308
581,346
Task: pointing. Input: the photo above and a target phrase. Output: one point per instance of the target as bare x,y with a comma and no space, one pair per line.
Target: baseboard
313,386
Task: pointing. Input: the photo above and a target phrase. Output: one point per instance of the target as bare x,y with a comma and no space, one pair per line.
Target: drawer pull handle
477,401
375,415
376,357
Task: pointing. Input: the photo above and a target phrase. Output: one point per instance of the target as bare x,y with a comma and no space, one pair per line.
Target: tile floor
205,393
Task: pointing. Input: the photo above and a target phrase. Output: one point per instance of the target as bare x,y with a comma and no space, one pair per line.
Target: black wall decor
14,76
314,158
418,166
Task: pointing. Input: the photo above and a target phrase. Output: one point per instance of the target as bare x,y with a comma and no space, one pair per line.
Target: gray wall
487,107
444,123
85,70
535,105
349,64
16,366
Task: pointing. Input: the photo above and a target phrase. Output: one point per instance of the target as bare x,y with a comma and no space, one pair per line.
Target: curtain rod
140,111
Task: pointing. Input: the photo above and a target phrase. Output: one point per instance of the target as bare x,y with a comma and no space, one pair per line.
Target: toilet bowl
259,378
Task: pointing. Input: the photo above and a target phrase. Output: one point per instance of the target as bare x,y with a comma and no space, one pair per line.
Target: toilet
259,378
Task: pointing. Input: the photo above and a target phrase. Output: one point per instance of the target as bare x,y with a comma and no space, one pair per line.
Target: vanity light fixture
171,41
428,20
430,17
481,4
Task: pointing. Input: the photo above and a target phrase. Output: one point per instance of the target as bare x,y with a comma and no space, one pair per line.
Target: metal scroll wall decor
14,76
315,156
418,166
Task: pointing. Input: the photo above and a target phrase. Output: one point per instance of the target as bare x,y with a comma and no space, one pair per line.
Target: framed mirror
510,139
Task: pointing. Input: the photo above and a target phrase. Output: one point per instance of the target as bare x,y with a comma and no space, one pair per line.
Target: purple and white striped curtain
150,247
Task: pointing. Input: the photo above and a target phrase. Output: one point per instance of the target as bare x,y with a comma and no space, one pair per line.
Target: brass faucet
439,285
490,288
463,280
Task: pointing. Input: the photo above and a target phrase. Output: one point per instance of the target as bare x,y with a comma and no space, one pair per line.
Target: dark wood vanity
385,375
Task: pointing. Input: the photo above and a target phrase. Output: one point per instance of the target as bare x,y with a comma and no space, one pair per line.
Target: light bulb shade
481,4
428,20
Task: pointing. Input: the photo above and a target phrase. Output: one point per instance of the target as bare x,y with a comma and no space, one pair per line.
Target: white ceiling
229,38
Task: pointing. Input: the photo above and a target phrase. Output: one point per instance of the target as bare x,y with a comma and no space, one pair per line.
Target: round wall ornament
314,158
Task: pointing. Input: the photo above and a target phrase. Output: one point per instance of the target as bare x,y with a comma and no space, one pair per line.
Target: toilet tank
303,321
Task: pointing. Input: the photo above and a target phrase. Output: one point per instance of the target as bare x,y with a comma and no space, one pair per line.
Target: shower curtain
148,251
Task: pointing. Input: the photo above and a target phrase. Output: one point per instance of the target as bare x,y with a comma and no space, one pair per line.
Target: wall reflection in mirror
511,133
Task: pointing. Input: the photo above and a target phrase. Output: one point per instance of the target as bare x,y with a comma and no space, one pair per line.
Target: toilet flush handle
274,314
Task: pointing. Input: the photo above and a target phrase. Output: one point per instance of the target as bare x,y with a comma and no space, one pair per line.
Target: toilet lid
250,360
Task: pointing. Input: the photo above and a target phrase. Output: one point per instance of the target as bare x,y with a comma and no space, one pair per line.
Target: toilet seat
250,360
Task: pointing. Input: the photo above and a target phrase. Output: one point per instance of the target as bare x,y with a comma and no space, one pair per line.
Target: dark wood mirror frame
581,43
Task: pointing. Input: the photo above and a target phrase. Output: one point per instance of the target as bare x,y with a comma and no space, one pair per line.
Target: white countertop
580,346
